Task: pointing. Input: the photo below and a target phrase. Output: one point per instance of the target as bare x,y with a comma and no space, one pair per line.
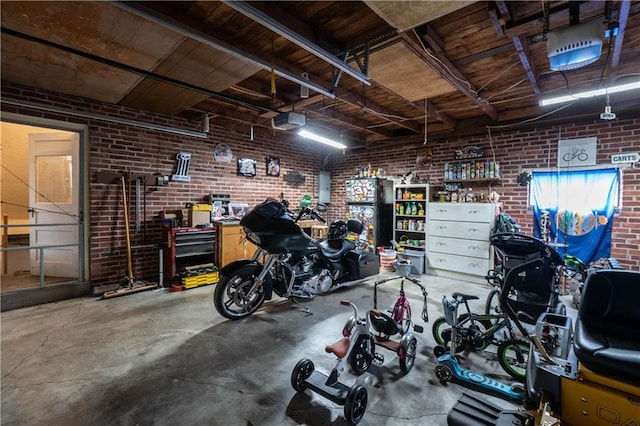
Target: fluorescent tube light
310,135
591,93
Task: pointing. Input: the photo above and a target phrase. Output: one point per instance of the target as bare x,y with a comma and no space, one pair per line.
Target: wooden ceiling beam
533,23
355,123
241,48
446,70
522,47
358,102
431,109
623,16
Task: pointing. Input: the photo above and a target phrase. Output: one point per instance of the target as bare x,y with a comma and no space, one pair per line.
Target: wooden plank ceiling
467,64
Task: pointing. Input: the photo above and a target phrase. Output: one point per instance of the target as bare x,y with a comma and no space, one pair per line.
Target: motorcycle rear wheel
231,298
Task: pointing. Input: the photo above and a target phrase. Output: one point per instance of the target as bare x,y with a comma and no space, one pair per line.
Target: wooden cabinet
459,237
187,247
232,244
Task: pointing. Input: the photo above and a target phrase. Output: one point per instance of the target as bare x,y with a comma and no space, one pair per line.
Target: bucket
387,257
417,259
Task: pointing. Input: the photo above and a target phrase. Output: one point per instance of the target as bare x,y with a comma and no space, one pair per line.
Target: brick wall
117,147
123,148
517,151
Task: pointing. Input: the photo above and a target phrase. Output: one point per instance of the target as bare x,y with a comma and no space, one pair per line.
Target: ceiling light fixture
315,137
591,93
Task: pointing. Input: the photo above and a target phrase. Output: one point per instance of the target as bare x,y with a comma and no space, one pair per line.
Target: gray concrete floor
166,358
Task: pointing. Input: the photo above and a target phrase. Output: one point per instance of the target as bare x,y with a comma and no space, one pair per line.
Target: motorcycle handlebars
310,212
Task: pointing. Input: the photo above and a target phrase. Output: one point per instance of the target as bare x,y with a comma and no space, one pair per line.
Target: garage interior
128,128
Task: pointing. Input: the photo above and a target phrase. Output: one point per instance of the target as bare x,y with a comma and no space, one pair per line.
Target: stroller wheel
443,373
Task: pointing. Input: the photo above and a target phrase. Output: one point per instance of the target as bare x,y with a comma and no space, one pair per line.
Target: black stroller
534,291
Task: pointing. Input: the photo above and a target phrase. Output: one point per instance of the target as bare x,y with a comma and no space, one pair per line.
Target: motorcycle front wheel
231,296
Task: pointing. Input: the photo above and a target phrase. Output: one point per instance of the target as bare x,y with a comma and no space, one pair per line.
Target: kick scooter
449,368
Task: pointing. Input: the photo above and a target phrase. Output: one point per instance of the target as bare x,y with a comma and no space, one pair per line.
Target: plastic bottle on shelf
401,209
468,196
399,194
421,210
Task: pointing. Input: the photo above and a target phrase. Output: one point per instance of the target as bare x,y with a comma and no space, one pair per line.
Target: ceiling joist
446,70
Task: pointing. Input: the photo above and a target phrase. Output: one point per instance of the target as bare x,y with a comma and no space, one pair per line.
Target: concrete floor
166,358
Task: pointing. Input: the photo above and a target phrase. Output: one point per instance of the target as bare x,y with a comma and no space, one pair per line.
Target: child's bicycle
475,332
358,348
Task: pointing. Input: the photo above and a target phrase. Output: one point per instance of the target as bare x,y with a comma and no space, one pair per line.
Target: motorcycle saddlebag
362,265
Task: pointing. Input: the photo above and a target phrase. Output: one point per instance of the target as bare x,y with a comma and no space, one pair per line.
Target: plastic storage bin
417,257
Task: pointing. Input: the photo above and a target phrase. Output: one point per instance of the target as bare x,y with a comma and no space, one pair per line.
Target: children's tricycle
357,346
399,322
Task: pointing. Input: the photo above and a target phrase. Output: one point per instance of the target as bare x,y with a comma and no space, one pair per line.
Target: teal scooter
449,369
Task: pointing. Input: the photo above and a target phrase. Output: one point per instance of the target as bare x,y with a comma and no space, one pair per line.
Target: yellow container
202,279
202,207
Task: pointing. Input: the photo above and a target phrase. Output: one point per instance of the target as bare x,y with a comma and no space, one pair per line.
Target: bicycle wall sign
577,152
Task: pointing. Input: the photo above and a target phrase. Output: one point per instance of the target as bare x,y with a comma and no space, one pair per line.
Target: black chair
607,330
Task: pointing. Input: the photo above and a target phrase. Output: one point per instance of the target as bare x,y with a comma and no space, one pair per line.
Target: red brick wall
123,148
515,151
117,147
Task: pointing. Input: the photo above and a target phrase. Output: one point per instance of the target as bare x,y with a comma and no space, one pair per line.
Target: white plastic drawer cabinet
459,237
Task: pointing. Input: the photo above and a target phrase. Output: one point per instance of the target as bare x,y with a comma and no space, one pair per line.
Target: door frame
83,191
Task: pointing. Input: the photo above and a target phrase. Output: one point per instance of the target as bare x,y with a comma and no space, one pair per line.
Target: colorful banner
573,210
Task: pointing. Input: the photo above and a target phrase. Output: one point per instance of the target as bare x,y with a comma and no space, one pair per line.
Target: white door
54,193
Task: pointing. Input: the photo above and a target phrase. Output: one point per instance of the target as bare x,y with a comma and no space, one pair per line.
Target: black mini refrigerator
371,201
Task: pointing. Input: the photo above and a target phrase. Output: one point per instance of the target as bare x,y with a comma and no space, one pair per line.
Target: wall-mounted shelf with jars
472,171
471,181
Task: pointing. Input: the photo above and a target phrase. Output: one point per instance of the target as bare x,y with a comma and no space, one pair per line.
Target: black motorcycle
289,262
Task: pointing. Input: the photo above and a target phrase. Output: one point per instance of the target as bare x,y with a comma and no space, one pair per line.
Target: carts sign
629,157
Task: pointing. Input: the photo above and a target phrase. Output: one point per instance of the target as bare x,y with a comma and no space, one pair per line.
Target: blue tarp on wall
575,208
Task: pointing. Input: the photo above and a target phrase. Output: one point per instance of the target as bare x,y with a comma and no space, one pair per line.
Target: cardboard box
199,217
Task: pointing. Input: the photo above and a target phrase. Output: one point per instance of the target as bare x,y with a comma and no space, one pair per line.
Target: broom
131,285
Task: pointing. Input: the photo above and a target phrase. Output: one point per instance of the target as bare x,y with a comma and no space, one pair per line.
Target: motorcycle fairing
246,266
278,234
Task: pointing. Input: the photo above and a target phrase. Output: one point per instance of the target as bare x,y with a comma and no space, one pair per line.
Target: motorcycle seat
335,249
607,338
383,323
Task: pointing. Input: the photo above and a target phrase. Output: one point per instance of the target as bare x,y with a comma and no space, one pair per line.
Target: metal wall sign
469,152
627,157
577,152
182,169
294,177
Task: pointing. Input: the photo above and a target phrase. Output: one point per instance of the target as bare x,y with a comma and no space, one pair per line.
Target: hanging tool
130,284
138,222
